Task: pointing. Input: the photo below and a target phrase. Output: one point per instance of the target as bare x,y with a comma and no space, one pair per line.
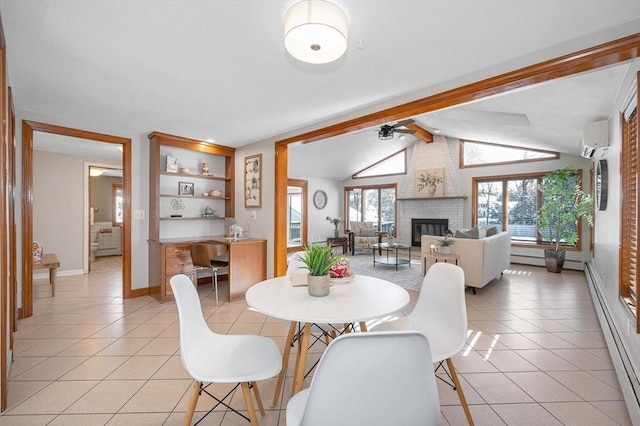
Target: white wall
607,235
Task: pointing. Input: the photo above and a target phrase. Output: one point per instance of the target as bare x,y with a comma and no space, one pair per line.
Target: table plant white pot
318,258
445,245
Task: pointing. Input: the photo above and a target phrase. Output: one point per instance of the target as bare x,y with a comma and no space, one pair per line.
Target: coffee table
385,259
362,299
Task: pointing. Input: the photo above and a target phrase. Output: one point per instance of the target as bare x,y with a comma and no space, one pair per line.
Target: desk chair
212,256
370,379
210,358
441,314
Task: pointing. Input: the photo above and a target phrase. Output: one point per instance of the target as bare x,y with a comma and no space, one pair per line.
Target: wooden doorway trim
574,63
28,127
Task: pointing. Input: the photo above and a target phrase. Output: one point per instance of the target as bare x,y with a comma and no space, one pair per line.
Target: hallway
536,356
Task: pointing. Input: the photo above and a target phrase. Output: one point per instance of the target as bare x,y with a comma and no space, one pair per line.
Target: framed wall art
253,181
430,183
185,188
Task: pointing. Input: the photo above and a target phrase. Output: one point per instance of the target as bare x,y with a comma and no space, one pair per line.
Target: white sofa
481,259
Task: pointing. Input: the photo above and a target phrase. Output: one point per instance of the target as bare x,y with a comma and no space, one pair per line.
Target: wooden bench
49,261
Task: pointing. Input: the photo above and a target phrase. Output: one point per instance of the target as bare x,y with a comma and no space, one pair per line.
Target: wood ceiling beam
420,133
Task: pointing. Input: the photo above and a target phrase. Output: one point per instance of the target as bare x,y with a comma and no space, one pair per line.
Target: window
510,203
475,154
395,164
118,204
375,204
629,220
296,214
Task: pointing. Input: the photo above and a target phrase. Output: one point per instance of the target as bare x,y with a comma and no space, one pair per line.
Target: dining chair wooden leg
363,327
285,362
191,407
456,383
301,362
256,393
247,399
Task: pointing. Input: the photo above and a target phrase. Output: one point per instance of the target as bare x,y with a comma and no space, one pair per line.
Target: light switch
138,214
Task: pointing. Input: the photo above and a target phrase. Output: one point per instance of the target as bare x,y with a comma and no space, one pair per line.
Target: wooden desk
171,256
49,261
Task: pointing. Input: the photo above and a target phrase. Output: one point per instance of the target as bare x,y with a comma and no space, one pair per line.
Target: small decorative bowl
215,193
184,170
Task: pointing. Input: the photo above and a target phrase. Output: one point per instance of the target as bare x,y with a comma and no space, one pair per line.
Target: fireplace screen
420,227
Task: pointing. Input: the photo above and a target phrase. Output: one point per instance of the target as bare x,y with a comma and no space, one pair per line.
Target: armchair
363,235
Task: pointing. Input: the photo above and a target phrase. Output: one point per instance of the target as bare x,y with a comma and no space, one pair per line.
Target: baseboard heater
619,355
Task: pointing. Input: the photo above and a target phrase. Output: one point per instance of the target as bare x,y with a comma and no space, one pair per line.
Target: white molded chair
217,358
441,314
214,256
370,379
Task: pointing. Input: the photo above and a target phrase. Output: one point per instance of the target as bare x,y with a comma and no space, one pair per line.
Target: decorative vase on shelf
336,233
445,250
318,286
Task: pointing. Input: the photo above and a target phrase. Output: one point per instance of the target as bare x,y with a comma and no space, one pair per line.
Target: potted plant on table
563,203
336,221
318,258
445,244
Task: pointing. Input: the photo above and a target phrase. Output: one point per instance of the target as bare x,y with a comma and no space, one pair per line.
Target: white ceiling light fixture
315,31
94,172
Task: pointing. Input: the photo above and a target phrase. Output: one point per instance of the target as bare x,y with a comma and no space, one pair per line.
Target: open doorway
104,205
28,130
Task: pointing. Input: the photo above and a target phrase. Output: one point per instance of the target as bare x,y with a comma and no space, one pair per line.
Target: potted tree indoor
563,204
318,258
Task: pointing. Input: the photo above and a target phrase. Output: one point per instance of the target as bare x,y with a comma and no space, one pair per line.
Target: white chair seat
295,407
234,359
219,358
444,344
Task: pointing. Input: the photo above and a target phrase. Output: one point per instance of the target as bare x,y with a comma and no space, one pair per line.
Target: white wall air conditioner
595,139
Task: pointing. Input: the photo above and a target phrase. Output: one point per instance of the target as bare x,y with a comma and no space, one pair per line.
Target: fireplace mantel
459,197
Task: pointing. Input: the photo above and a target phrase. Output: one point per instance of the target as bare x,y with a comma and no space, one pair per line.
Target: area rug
407,277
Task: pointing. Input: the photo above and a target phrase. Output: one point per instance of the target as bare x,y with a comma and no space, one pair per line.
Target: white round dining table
361,299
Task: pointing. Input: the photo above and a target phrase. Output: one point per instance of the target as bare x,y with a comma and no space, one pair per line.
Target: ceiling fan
386,131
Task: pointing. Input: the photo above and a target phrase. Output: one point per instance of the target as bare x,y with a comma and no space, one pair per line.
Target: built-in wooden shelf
194,196
189,175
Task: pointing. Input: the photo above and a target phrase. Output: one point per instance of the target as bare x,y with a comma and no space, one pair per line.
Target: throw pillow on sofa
367,232
472,233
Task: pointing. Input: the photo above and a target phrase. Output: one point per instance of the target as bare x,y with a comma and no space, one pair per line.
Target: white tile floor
536,356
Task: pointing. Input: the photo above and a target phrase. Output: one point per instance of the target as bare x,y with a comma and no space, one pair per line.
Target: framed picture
172,164
430,183
185,188
253,181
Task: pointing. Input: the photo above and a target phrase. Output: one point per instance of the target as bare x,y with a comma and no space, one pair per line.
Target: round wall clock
320,199
602,184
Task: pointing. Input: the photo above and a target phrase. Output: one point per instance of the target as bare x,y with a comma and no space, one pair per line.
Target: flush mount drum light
315,31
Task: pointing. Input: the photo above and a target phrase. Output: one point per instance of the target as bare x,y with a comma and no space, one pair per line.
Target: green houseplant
318,258
445,244
563,204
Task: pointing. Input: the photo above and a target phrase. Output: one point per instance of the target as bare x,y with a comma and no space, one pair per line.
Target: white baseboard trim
622,363
575,265
60,274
